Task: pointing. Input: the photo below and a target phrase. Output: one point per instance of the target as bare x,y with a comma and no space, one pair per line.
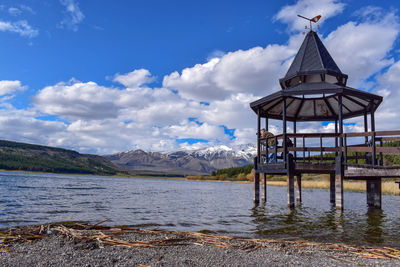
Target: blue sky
108,76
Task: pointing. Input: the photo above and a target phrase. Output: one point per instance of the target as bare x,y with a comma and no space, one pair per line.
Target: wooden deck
321,153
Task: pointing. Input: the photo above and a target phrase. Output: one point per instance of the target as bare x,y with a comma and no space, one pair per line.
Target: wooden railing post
304,149
320,146
345,148
373,149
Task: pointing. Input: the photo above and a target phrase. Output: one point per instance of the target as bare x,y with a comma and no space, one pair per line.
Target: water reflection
330,226
374,232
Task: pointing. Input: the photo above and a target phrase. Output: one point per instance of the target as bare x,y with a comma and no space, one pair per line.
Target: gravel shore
63,247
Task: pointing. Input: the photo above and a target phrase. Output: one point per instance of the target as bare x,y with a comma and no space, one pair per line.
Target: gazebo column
332,187
374,193
256,162
264,188
339,170
288,161
366,126
374,186
298,188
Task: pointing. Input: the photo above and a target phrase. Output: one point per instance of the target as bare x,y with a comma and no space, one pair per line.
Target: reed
388,187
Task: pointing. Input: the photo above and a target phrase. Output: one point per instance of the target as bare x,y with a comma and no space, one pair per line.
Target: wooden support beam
374,193
256,188
258,136
339,175
332,188
264,188
290,180
290,190
284,146
298,188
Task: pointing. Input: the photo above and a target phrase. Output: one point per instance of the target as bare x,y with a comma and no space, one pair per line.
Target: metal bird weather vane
314,19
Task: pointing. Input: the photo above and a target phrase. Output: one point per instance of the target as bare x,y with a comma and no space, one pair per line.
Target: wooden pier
314,89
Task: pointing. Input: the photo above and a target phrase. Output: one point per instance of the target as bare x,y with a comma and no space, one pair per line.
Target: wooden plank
388,150
386,133
389,139
353,172
360,149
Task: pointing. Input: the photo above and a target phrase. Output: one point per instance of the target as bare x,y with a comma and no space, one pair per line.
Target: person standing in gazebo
270,144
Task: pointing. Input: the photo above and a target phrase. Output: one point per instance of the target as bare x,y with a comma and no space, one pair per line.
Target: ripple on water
223,208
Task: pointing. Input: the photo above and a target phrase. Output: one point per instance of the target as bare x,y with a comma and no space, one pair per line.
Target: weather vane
314,19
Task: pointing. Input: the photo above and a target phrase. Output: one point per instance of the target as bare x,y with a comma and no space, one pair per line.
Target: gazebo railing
324,147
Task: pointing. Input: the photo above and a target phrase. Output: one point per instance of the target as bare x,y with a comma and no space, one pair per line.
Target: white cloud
135,78
27,9
10,87
78,100
14,11
308,8
73,15
190,129
21,27
357,50
255,71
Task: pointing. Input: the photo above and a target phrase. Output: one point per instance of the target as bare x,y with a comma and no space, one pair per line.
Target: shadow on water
329,226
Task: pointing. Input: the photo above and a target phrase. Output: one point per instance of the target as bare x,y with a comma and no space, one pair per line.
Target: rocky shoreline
84,245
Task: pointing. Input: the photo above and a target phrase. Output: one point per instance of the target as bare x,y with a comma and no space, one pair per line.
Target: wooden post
256,183
336,139
332,188
340,125
258,136
284,153
290,181
294,131
339,175
256,188
298,188
264,195
366,126
374,193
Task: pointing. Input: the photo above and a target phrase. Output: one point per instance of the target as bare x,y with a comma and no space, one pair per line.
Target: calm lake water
223,208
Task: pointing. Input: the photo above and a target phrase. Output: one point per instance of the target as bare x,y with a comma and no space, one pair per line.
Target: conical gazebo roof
311,89
313,58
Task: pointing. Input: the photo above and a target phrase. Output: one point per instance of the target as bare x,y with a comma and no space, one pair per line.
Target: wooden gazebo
315,89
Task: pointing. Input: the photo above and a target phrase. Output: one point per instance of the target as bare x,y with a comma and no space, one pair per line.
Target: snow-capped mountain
200,161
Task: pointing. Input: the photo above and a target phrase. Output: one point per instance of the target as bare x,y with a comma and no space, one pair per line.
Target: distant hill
201,161
28,157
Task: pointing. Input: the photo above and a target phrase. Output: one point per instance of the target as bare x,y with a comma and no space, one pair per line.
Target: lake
215,207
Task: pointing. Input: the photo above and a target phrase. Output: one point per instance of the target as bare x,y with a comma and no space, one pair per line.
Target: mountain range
200,161
30,157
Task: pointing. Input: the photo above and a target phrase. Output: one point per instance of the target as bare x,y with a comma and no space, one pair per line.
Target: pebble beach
59,245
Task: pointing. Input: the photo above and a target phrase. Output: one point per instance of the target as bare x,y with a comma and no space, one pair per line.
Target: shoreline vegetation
317,181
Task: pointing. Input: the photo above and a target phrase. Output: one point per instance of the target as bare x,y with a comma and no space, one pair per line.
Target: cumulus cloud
21,27
73,15
356,48
308,8
10,87
255,71
78,100
135,78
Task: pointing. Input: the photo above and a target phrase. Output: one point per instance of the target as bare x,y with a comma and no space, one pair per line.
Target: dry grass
388,187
